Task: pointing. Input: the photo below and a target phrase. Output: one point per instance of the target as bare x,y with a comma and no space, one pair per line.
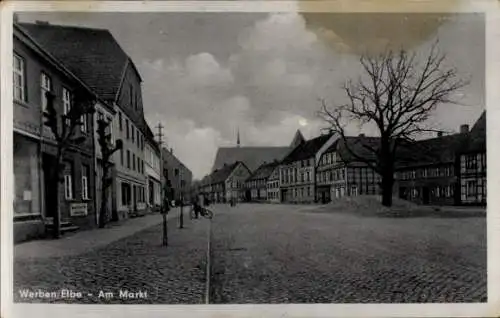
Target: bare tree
107,150
397,94
63,126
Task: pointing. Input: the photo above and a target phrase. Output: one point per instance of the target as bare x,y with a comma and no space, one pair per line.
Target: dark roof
434,150
307,149
27,39
252,157
361,146
264,171
92,54
222,174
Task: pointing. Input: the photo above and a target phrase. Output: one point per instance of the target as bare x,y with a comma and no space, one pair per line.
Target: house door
402,193
49,191
151,193
425,195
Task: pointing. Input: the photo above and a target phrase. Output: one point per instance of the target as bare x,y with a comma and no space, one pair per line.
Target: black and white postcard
250,159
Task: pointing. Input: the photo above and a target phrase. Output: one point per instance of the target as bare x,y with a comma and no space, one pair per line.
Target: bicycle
204,212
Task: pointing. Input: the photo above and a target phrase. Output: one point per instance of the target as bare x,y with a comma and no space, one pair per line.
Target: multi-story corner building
36,72
108,71
297,170
257,184
153,170
472,165
177,175
340,174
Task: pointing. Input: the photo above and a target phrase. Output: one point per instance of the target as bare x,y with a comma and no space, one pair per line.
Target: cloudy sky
208,74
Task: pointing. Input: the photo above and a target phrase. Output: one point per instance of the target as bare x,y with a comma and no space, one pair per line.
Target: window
85,186
139,164
66,99
19,78
68,190
128,159
470,162
133,162
354,190
132,132
127,129
120,124
471,188
121,156
110,129
46,86
138,139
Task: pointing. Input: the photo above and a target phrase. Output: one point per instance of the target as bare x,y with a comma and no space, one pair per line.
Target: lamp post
181,214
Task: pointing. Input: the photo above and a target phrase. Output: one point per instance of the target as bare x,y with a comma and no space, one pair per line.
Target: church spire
238,139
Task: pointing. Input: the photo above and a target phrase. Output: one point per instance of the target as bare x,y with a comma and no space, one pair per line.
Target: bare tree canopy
397,94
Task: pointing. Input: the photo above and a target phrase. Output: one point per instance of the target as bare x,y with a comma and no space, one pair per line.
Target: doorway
425,195
49,191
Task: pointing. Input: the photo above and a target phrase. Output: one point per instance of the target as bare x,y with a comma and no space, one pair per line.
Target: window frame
44,89
22,73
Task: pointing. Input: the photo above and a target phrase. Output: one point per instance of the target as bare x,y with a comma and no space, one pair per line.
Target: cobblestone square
278,254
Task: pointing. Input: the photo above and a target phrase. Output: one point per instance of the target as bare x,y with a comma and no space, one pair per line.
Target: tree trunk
103,214
57,206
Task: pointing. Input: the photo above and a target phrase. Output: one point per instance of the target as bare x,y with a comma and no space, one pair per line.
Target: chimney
464,129
440,134
42,22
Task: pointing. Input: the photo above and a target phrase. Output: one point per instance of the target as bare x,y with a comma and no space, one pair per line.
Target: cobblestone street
137,263
276,253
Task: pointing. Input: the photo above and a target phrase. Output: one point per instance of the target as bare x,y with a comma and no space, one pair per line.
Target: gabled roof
264,171
361,146
92,54
477,135
222,174
307,149
28,40
252,157
434,150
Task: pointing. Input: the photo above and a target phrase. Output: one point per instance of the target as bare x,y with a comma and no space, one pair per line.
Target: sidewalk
83,241
139,263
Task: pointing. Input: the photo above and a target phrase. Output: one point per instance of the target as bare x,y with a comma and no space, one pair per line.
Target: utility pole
165,203
181,212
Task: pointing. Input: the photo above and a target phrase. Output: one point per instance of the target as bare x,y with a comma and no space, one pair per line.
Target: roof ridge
65,26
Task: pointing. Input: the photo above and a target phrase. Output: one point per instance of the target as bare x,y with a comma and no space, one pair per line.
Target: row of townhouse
446,170
78,65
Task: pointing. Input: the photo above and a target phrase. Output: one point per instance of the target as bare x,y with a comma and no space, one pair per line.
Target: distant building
153,170
273,186
473,165
226,183
177,175
253,157
95,56
36,72
446,170
298,169
256,186
340,174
